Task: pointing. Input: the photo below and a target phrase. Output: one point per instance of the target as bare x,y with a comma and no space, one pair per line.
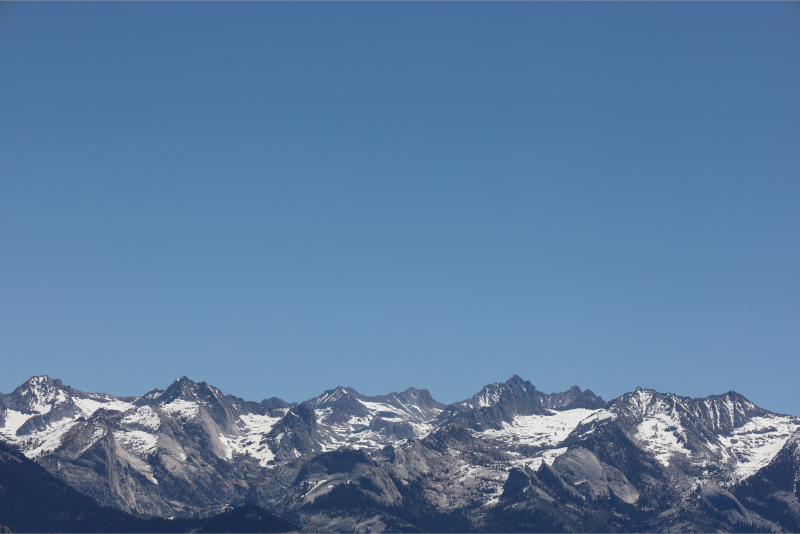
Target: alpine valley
510,459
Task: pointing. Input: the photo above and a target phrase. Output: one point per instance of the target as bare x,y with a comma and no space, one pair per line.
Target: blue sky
282,198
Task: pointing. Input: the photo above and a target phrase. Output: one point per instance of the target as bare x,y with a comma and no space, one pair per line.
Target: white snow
182,408
545,430
137,441
135,462
97,434
37,443
254,427
487,400
333,396
643,397
228,448
14,420
43,395
488,396
355,431
376,407
493,500
731,409
143,417
46,441
90,405
359,422
754,447
749,448
422,429
659,431
548,456
597,416
258,424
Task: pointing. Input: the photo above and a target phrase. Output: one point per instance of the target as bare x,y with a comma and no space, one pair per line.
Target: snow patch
182,408
756,443
545,430
143,417
548,457
88,406
228,452
254,429
97,434
14,420
47,440
137,441
661,433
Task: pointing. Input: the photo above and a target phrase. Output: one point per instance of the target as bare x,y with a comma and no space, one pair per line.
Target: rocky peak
516,381
182,388
331,397
420,399
523,389
492,394
175,461
572,398
42,387
722,412
727,411
274,403
149,398
37,395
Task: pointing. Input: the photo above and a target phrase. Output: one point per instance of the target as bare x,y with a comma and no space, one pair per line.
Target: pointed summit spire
37,394
181,387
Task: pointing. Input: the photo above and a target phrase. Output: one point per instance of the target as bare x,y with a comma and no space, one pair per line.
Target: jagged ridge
641,461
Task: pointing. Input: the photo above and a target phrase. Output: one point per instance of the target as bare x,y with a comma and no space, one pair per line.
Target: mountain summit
511,457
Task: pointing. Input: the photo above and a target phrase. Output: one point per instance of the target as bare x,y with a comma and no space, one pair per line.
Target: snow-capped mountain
722,437
516,386
137,453
363,422
191,439
559,461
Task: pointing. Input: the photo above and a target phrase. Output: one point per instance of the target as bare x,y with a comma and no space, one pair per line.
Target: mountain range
509,459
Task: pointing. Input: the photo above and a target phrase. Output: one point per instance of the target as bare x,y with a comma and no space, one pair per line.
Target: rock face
521,392
32,500
774,490
511,458
594,479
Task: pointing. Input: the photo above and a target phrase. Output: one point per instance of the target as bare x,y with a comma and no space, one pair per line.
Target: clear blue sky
282,198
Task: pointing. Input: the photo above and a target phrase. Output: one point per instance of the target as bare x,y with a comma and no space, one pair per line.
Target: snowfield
90,405
143,418
546,431
659,433
182,408
757,442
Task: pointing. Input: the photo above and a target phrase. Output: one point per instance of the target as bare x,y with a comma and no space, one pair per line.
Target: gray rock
582,470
